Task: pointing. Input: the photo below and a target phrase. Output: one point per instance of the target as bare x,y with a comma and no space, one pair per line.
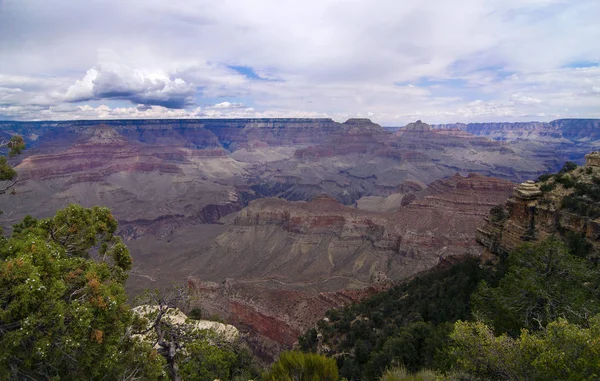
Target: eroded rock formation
537,211
287,262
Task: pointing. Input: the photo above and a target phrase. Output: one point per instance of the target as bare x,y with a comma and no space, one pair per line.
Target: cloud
524,99
315,57
114,81
228,105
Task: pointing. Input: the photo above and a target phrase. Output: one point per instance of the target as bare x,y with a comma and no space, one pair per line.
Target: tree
192,352
63,314
15,146
544,282
562,351
210,357
170,338
299,366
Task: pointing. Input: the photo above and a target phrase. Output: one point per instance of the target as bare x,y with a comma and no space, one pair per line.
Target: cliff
565,204
286,262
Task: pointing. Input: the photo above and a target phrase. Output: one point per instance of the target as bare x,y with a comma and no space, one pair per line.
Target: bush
401,374
562,351
547,187
212,358
565,180
498,214
568,167
196,314
299,366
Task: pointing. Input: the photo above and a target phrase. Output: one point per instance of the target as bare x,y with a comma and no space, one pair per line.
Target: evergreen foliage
407,324
544,282
209,358
585,200
62,315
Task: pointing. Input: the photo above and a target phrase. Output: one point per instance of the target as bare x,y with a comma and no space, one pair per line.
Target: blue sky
392,61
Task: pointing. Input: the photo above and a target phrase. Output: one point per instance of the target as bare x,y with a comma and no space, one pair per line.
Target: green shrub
565,180
568,167
401,374
547,187
498,214
196,314
299,366
211,358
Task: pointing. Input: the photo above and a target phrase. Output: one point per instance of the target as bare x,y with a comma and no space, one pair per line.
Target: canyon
271,222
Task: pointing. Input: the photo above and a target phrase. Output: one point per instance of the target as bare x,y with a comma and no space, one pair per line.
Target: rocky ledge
549,207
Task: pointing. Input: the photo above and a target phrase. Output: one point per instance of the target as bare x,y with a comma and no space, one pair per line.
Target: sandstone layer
536,211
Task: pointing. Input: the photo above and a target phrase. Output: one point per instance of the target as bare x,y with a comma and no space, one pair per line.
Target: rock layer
303,253
532,215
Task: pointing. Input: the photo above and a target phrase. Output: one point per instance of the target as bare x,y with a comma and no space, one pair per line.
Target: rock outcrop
539,210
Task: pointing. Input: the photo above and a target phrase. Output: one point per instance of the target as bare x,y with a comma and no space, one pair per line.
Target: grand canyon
272,222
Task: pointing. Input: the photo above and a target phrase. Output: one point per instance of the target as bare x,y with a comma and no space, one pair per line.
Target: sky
393,61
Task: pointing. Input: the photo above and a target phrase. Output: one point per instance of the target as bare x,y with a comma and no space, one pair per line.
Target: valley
272,222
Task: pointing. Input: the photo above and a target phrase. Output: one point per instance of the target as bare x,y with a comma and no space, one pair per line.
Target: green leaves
562,351
15,145
544,282
61,313
298,366
209,358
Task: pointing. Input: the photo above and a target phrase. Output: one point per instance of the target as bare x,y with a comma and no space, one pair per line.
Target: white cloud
524,99
116,81
315,57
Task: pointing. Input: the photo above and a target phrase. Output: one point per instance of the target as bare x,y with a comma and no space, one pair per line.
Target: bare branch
4,190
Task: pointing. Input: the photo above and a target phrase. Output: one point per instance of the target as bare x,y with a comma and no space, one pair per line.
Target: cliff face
535,131
549,143
158,175
272,318
551,207
579,130
291,261
556,131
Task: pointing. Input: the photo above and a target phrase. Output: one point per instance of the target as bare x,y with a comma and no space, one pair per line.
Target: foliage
63,315
209,358
299,366
195,313
585,200
544,282
547,187
577,244
565,180
191,353
544,177
567,167
403,324
498,214
417,345
562,351
401,374
15,146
